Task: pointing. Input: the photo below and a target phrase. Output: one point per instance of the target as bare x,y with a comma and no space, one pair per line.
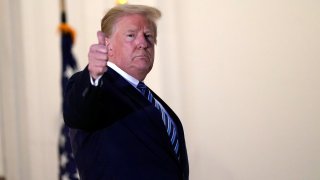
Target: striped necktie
168,122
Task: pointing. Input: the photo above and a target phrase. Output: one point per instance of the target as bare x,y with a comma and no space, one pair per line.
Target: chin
146,65
145,70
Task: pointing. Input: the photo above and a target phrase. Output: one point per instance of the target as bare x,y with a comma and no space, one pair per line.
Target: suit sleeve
89,107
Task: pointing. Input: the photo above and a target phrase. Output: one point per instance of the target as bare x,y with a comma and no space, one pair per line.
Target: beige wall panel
251,88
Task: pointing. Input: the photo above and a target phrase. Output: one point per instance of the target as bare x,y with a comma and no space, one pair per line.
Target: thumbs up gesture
98,57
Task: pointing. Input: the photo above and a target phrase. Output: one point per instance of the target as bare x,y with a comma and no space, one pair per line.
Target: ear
107,41
109,46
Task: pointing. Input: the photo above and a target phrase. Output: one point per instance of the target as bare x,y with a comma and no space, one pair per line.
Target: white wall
242,75
251,92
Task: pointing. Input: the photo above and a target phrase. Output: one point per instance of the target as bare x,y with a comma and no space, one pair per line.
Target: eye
130,36
149,37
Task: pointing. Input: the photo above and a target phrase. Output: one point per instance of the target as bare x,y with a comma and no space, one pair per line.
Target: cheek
151,52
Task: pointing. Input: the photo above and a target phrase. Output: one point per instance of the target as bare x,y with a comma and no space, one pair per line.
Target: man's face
131,45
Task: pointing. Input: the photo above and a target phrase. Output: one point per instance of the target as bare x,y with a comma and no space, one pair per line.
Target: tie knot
142,87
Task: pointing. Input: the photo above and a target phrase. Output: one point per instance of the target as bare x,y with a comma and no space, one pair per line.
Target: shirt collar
133,81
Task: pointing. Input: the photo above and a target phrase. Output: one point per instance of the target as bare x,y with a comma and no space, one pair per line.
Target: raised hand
98,57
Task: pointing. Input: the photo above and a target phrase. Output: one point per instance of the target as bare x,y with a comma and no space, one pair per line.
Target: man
119,128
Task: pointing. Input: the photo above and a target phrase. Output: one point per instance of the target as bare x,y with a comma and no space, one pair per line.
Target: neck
138,75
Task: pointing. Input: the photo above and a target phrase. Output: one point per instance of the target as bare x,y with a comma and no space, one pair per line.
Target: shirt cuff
95,82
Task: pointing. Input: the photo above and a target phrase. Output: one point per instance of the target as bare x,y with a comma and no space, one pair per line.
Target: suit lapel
132,93
154,115
150,114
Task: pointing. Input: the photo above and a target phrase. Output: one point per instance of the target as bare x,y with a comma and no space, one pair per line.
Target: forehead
134,22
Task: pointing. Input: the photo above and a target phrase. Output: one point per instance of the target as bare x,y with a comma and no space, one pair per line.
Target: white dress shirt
133,81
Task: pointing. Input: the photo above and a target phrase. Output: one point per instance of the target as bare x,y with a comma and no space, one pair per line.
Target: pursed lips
142,57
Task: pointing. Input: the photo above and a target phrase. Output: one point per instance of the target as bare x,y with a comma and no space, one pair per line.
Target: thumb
101,37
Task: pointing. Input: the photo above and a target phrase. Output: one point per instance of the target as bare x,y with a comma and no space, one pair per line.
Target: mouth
142,57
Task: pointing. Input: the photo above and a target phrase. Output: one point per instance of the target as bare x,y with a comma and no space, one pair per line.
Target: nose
142,42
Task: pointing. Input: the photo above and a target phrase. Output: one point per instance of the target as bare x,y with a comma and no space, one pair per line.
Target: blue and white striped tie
168,122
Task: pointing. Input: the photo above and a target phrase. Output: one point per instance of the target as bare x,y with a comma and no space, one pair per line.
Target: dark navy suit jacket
117,134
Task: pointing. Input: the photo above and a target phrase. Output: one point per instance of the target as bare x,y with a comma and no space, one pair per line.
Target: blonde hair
113,15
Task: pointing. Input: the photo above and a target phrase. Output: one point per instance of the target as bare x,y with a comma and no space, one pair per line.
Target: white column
1,141
13,104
